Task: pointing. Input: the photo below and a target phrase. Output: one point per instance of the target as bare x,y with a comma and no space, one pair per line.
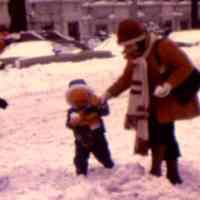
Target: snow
110,44
193,53
34,48
37,49
36,149
188,36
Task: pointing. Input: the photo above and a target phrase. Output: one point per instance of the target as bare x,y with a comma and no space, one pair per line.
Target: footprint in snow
4,182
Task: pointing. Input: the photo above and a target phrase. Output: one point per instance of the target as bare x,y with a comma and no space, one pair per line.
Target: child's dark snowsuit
90,140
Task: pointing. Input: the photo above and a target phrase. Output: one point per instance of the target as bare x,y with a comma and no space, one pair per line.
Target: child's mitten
75,119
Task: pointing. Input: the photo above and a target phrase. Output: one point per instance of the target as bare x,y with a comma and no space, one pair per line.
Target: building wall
42,14
161,12
71,13
150,11
83,17
105,16
185,8
68,16
4,17
53,14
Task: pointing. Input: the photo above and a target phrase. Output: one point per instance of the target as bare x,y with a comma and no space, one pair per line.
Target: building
78,18
84,19
102,17
174,14
4,18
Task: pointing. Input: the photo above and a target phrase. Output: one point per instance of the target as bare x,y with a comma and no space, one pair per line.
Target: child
85,119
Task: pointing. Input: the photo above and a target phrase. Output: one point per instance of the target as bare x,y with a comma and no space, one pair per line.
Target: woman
155,67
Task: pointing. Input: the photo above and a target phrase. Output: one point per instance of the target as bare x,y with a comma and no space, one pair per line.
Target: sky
36,150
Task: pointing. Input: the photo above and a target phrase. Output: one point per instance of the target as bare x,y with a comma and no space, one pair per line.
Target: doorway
73,30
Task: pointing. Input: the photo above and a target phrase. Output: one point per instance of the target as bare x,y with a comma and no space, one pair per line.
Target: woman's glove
162,91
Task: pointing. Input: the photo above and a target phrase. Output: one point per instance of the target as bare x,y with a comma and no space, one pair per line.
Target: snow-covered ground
36,150
186,37
191,38
37,48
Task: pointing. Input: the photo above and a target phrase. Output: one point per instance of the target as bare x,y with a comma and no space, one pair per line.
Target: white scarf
138,105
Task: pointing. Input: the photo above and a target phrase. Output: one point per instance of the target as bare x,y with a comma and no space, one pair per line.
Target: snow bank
39,48
187,37
111,45
28,49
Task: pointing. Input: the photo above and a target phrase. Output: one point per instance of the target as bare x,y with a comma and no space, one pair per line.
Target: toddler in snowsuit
84,117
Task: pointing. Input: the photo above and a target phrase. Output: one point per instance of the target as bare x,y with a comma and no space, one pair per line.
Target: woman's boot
173,172
157,158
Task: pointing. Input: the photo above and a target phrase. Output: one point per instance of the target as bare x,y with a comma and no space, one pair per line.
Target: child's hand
105,97
95,101
90,119
75,119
